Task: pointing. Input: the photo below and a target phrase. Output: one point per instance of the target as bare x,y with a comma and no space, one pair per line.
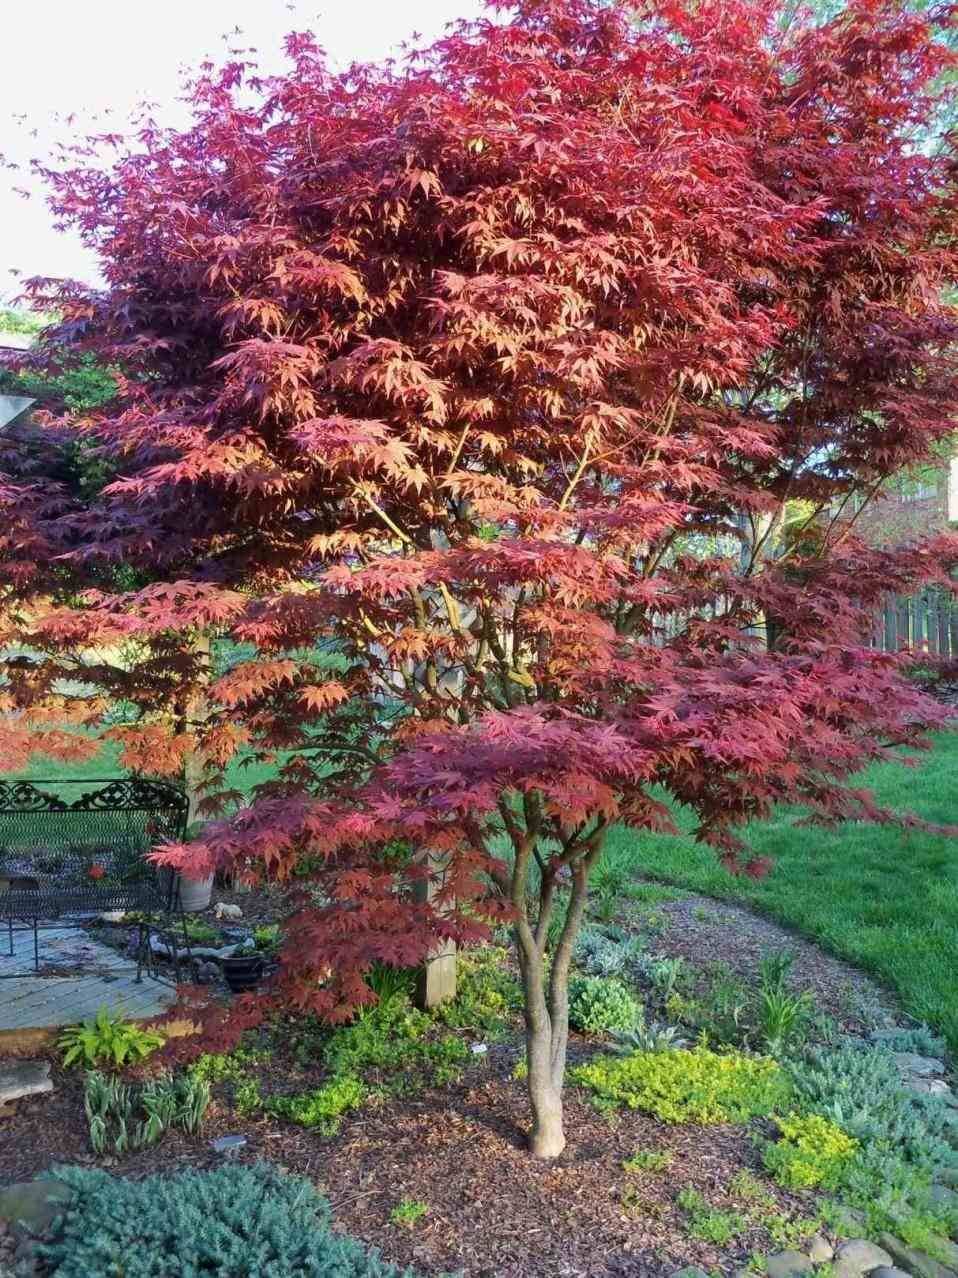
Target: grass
885,899
239,776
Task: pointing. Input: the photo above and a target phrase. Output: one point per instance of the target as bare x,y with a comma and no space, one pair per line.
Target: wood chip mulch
704,930
493,1211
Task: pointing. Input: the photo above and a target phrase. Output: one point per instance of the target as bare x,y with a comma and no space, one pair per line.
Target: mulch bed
493,1211
704,930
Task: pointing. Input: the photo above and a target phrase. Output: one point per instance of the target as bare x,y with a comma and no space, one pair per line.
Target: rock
31,1208
24,1078
888,1271
947,1176
229,1145
919,1066
915,1262
225,911
859,1257
160,947
820,1250
931,1087
788,1264
207,973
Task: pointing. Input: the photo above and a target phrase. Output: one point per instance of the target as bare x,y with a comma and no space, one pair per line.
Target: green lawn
239,776
883,898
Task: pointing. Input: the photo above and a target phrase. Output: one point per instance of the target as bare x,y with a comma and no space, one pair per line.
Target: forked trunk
546,1003
547,1030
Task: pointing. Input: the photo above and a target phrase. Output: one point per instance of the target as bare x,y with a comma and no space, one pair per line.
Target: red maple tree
468,395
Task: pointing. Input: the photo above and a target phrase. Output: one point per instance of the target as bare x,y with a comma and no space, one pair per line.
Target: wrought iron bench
72,849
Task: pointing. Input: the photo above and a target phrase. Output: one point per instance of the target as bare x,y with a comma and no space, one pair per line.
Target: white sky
62,57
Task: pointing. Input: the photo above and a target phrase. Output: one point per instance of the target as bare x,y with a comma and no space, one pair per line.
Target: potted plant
244,968
193,895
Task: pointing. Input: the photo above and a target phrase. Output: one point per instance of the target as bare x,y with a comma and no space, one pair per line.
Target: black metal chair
73,849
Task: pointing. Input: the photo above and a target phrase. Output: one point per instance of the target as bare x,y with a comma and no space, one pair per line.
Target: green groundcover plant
697,1086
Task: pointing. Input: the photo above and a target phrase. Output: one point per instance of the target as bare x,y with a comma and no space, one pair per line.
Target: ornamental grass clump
698,1086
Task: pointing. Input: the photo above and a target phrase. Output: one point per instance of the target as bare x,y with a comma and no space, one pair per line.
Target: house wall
912,509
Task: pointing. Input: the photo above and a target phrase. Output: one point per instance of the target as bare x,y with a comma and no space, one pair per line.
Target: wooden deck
31,1006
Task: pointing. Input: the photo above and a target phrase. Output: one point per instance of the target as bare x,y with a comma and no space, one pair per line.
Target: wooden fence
927,623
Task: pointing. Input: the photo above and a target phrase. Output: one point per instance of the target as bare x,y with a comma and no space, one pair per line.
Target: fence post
436,980
891,626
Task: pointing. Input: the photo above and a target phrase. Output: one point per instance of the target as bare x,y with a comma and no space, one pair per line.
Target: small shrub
812,1151
267,938
395,1038
708,1223
598,953
601,1006
198,931
666,975
233,1220
644,1160
718,1004
408,1213
322,1108
236,1069
107,1039
698,1086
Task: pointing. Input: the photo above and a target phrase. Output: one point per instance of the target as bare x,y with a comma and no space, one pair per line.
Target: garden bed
430,1163
491,1209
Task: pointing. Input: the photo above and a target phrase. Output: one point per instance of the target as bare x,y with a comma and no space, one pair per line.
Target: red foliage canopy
468,396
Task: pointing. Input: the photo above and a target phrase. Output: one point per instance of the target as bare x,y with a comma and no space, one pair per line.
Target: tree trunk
547,1139
546,1004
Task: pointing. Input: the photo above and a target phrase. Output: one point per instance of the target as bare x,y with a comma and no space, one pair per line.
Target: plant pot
243,972
194,894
